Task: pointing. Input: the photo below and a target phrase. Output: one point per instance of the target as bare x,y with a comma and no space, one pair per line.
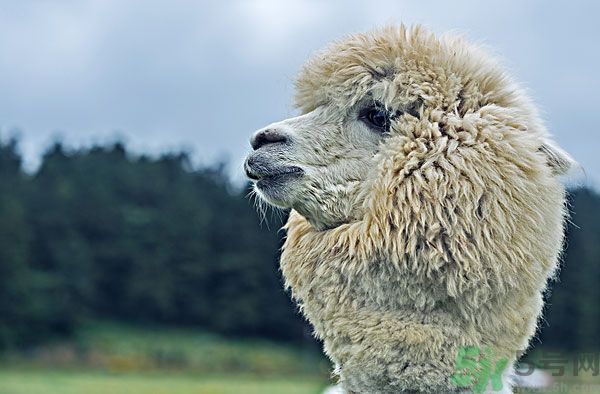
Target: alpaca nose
268,136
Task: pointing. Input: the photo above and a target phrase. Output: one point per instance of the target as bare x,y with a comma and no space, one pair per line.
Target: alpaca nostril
267,136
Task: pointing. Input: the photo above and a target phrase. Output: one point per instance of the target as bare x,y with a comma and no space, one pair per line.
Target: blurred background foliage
101,234
131,262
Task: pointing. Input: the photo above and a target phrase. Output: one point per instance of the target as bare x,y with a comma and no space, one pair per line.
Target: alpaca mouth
274,183
266,176
273,178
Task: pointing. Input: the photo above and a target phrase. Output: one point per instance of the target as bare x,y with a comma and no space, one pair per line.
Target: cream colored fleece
459,227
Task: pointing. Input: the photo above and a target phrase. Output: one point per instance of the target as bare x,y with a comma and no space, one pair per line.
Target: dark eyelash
367,116
379,118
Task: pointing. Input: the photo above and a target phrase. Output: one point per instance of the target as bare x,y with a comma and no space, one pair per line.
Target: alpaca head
395,104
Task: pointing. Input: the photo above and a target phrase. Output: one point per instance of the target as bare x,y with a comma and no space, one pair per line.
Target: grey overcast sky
202,76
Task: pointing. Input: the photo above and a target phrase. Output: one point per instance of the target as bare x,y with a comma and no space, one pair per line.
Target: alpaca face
389,105
317,163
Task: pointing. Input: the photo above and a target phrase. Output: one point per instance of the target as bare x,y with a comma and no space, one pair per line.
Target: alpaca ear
559,160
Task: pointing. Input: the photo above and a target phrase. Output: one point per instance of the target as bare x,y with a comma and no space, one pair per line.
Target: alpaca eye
377,118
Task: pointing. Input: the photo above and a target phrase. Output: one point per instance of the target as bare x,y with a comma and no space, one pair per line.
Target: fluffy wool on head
439,232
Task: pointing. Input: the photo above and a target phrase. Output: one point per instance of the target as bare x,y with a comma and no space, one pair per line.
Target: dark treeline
102,234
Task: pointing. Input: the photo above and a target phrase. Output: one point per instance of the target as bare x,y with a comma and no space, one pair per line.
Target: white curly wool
445,236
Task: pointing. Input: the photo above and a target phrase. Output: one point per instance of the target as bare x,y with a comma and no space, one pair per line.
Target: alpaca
427,211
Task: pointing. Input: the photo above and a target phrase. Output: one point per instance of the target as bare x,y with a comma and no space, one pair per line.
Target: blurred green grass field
82,382
106,358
